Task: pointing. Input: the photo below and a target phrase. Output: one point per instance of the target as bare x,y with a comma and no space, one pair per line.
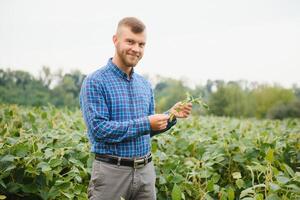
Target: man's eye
130,42
142,45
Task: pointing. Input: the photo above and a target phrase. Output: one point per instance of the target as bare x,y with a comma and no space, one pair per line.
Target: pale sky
255,40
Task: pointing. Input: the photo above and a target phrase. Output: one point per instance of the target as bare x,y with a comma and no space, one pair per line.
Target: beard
128,59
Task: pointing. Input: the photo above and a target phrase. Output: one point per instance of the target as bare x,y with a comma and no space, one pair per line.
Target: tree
168,92
266,97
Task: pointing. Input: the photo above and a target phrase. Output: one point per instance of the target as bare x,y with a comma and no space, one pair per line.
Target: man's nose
135,48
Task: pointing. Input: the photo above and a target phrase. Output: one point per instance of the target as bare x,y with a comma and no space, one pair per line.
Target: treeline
234,98
20,87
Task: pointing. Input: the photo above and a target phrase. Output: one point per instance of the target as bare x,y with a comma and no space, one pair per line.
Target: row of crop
219,158
44,154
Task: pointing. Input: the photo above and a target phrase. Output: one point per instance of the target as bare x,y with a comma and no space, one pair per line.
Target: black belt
135,163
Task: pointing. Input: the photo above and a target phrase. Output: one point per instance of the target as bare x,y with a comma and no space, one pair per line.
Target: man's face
129,46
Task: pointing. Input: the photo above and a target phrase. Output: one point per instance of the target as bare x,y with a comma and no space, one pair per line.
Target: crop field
44,154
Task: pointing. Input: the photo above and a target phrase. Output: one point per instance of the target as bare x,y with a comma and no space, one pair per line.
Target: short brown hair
136,25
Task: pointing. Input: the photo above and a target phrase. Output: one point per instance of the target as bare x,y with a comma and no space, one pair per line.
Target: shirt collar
118,71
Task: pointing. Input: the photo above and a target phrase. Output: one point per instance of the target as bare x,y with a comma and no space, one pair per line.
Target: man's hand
158,122
180,110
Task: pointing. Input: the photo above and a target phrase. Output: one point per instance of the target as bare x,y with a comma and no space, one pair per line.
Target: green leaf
297,176
270,155
2,197
294,188
55,162
273,197
44,167
31,117
7,158
274,187
68,195
230,193
48,153
289,170
10,167
210,186
53,192
236,175
216,188
30,188
205,174
2,183
177,178
154,147
11,140
22,150
13,187
259,196
240,183
239,158
162,180
216,178
176,193
78,179
282,179
208,197
44,115
247,192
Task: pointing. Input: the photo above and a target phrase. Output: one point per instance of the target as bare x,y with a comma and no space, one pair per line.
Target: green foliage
44,154
231,99
234,98
285,110
190,99
67,90
222,158
266,97
168,92
19,87
218,101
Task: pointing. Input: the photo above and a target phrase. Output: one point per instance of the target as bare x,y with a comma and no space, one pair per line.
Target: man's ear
115,39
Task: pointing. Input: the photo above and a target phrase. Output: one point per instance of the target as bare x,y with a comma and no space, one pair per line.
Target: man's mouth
132,55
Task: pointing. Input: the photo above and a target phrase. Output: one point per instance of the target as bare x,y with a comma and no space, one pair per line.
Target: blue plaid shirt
116,109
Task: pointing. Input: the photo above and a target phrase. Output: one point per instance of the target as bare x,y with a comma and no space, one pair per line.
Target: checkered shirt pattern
116,109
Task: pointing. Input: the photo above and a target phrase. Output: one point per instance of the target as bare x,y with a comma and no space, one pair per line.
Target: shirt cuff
143,125
170,124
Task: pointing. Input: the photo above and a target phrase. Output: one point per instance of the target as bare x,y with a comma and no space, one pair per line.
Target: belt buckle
138,163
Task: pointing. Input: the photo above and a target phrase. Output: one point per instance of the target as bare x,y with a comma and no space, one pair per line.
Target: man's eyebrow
130,39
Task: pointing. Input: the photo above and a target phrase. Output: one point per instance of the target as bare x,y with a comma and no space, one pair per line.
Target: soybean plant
190,99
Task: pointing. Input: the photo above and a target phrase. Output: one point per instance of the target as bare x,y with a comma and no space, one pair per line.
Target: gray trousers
112,182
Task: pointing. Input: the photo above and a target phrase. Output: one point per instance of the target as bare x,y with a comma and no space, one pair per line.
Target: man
118,108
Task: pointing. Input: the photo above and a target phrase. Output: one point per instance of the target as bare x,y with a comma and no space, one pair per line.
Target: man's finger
166,118
188,112
187,109
163,123
163,127
189,106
